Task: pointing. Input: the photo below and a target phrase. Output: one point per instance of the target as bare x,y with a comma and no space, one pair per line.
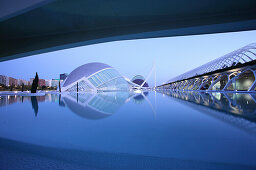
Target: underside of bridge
36,26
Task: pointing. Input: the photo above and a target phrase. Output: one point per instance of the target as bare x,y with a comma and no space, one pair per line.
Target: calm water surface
120,130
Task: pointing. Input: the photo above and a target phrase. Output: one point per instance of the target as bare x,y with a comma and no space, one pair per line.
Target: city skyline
12,81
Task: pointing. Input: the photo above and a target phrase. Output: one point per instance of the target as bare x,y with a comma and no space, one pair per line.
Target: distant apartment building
55,82
48,83
41,82
31,81
25,82
21,81
13,81
4,80
63,76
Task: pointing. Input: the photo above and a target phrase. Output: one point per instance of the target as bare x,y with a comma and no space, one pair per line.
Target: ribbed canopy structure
84,71
241,56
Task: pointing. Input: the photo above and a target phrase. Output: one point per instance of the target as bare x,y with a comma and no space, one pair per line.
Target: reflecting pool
122,130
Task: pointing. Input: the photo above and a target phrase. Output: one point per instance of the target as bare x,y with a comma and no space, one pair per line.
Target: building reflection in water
239,109
87,105
94,105
140,98
242,104
8,99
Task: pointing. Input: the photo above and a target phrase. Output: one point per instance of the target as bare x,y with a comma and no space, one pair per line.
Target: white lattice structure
240,56
228,68
94,77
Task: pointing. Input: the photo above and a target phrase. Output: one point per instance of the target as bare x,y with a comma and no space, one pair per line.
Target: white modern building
55,82
21,81
94,77
4,80
48,83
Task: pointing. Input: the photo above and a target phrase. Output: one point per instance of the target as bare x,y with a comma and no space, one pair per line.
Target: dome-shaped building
139,79
94,77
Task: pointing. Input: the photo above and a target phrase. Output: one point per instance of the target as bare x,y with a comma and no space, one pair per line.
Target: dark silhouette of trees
35,84
34,104
59,87
43,87
22,87
11,87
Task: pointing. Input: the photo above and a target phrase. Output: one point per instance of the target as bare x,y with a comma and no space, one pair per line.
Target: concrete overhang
38,26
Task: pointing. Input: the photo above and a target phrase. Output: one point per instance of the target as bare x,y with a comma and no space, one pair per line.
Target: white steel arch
240,56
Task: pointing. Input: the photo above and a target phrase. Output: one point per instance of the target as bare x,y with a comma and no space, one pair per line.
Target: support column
191,82
203,83
184,84
229,82
215,81
254,83
196,82
179,85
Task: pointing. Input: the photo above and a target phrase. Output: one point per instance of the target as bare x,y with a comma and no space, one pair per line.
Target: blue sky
172,56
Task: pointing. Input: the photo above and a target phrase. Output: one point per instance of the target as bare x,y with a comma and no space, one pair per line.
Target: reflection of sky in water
213,127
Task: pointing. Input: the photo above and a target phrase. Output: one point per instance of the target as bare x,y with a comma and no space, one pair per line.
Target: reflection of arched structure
139,98
94,105
221,74
239,104
87,105
237,109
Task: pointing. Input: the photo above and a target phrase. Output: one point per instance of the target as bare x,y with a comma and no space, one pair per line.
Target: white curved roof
138,77
240,56
84,71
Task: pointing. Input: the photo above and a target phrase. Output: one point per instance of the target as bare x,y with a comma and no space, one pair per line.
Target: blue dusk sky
172,56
